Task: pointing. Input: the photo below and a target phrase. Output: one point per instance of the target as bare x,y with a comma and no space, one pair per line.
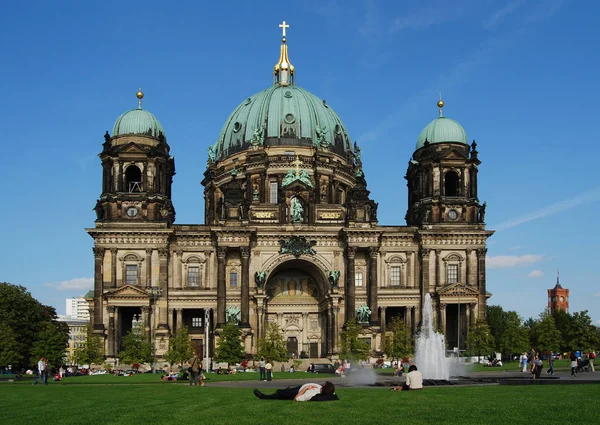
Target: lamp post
156,292
458,329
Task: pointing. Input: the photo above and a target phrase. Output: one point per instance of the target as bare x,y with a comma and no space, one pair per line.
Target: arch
133,178
317,269
451,183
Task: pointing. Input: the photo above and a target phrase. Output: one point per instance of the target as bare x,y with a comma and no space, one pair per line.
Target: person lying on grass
306,392
414,380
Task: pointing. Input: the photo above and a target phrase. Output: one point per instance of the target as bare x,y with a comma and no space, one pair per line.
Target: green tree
479,339
544,336
51,343
514,339
497,320
400,343
10,352
273,346
181,349
352,347
136,347
25,316
564,323
92,352
583,333
229,348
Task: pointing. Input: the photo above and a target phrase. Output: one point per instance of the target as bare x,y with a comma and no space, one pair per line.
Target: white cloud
597,295
536,273
506,261
587,197
501,13
77,283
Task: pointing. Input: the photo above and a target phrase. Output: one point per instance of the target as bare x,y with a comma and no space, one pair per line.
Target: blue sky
520,75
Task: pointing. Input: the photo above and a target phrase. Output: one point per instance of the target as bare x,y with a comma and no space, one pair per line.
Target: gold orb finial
140,94
440,103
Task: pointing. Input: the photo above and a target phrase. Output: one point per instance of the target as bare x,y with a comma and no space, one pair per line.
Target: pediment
132,147
127,291
457,290
455,154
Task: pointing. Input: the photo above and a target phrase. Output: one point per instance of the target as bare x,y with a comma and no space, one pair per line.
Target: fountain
430,347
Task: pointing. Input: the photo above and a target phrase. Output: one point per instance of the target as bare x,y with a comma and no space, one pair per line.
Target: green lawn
146,401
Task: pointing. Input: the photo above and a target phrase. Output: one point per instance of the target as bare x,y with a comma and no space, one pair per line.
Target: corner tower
137,170
558,297
442,176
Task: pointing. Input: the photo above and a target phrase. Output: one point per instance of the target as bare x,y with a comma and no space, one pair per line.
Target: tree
10,352
273,346
352,347
583,333
51,343
93,350
229,348
479,339
136,347
564,323
399,344
25,316
181,348
497,321
514,338
544,336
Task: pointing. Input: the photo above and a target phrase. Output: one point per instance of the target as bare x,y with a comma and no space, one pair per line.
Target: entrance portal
292,347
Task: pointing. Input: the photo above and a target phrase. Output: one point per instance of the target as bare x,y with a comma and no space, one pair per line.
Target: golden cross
284,26
297,164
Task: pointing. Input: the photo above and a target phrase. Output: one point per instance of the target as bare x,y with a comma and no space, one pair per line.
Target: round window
452,214
289,118
288,94
248,101
237,127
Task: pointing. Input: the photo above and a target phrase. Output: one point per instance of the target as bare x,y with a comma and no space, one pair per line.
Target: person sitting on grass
414,380
306,392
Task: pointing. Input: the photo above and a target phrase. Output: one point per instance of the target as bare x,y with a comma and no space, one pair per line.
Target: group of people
43,370
195,371
265,369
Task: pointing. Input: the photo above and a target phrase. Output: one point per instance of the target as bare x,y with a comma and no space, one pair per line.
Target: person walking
194,370
261,370
524,362
42,373
573,358
550,370
591,358
269,370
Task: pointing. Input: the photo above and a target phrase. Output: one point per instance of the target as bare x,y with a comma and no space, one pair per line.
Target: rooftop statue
363,313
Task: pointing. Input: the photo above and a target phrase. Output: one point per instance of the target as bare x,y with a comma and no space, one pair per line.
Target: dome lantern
442,130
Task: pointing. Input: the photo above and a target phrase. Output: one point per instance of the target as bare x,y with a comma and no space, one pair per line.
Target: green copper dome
138,121
440,130
282,115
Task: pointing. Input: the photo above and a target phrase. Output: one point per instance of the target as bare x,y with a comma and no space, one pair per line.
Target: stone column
113,267
178,266
382,319
417,317
245,310
117,333
207,255
373,253
163,280
481,280
351,285
148,266
330,330
179,318
467,279
443,317
111,331
147,314
221,289
424,273
98,289
437,279
170,318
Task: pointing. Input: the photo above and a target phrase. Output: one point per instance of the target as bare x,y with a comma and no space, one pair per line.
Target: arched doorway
297,302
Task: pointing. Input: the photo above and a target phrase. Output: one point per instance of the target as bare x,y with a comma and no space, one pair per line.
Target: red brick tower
558,297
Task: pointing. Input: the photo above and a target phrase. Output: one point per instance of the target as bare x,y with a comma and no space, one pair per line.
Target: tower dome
282,115
138,121
442,130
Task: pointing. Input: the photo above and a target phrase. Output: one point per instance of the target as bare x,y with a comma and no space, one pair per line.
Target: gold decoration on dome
284,70
440,104
140,96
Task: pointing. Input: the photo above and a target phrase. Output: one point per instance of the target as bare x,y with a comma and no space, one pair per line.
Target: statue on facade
260,278
334,277
258,137
297,210
99,210
481,218
212,156
363,313
232,314
321,141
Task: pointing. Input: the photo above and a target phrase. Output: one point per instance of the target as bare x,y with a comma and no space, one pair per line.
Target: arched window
451,182
133,178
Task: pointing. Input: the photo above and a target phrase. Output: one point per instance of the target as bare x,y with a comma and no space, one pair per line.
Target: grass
99,401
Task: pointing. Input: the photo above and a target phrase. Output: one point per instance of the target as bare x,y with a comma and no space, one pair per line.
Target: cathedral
291,234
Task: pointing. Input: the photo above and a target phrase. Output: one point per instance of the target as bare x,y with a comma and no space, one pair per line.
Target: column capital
245,252
111,309
425,252
113,252
163,252
179,253
149,251
145,309
351,252
98,252
373,251
481,251
221,252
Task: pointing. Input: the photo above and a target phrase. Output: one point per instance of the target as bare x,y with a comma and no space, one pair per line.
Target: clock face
132,211
453,215
562,298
